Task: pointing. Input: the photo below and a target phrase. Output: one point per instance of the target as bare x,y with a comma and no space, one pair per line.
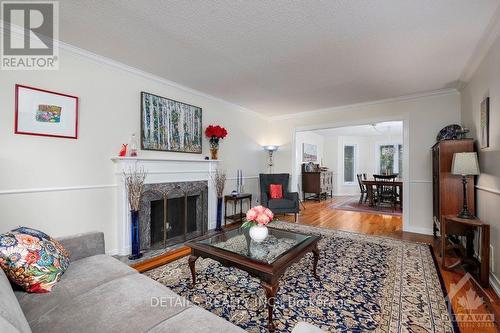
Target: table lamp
465,164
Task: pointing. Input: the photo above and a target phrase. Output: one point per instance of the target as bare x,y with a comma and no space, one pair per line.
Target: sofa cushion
32,259
82,276
83,245
195,320
12,318
126,304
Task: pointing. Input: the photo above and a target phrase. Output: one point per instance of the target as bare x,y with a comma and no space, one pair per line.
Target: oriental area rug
352,204
366,284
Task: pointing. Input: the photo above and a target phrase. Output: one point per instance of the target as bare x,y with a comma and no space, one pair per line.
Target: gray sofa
100,294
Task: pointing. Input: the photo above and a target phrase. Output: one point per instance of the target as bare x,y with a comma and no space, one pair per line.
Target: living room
264,72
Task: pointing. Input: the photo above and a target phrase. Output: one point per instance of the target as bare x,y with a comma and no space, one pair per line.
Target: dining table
371,184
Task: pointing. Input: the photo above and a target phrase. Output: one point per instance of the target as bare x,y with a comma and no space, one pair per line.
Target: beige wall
486,82
66,186
423,118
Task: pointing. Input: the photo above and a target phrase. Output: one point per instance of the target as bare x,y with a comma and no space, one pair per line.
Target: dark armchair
290,202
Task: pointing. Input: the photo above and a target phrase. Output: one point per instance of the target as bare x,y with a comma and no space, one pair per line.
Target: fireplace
171,178
172,213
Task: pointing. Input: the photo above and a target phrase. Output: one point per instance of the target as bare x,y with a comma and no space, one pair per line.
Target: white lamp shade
465,164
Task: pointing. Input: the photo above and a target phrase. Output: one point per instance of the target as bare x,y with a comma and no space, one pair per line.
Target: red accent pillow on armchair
275,191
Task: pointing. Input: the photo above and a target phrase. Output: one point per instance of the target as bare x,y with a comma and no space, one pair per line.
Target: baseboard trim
417,230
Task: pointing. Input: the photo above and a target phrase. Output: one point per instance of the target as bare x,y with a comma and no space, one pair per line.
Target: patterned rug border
343,205
353,233
456,328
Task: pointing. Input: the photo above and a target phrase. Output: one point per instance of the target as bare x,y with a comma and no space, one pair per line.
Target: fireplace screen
172,213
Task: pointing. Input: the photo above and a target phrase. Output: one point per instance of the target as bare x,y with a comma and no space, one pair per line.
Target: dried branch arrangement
134,182
219,179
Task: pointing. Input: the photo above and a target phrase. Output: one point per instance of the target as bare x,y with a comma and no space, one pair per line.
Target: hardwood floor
320,214
146,265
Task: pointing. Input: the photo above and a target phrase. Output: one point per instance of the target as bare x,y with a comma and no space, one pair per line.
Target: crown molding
405,98
484,44
133,70
17,30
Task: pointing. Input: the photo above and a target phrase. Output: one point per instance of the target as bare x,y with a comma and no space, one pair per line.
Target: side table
453,225
235,200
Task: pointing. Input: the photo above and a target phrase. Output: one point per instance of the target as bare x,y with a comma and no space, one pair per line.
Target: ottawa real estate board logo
30,34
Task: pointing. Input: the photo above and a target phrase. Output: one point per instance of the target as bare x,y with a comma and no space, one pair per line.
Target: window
349,164
390,158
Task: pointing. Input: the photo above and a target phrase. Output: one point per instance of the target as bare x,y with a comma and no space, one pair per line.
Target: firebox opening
180,225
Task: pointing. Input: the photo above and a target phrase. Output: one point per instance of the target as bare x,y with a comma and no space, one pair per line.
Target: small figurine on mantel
123,151
133,146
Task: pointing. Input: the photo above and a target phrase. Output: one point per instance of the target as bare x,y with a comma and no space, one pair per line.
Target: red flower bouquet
215,133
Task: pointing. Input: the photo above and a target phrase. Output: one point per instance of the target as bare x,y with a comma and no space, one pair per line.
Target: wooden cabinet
318,183
446,187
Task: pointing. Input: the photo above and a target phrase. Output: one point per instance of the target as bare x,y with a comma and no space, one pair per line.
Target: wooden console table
453,225
235,200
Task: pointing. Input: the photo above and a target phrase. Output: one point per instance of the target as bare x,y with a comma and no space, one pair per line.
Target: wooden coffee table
266,261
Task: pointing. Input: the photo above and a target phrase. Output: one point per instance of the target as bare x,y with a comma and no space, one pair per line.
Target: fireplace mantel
160,170
117,159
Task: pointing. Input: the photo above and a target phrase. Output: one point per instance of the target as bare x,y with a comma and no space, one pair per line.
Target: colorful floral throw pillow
32,259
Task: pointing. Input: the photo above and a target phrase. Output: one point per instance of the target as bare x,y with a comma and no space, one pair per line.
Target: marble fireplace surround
166,191
160,171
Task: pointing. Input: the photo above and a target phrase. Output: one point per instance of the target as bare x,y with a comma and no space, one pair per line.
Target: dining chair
386,177
386,193
363,189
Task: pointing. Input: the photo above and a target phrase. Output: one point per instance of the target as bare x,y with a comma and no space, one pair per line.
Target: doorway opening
356,170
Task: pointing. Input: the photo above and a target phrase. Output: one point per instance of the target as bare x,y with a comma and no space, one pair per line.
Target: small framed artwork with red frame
45,113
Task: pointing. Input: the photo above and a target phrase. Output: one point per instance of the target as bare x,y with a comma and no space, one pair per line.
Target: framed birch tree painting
168,125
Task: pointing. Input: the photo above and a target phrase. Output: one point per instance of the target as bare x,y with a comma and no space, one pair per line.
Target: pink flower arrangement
258,215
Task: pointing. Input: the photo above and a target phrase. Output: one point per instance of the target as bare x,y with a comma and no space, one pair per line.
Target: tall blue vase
218,225
134,232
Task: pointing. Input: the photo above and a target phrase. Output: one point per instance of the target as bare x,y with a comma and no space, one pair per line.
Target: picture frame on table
45,113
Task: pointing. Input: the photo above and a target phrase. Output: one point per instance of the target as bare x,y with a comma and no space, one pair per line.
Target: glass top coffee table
266,261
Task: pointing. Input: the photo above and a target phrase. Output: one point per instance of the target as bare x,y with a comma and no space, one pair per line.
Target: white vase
258,233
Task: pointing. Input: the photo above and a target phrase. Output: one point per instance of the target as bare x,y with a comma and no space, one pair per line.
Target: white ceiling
392,128
281,56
